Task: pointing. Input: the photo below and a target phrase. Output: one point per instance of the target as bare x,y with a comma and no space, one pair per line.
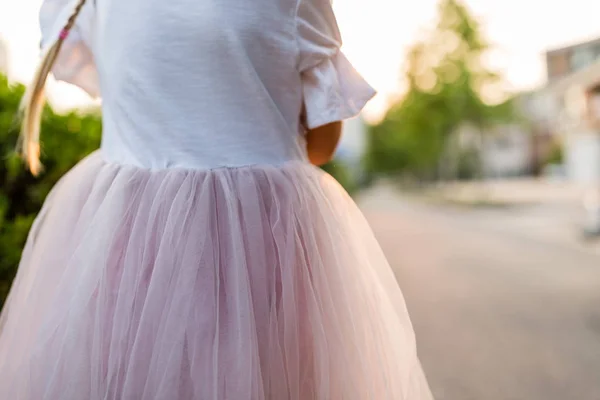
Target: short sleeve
75,63
333,90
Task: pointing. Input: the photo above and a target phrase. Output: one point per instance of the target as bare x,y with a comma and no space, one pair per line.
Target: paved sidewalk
516,191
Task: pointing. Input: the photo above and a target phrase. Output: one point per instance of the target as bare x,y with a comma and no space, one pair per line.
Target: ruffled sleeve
75,63
332,89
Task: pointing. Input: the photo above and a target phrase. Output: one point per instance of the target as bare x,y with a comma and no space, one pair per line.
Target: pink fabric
253,283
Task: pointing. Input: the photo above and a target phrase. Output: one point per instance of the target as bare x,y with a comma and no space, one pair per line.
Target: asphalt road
500,313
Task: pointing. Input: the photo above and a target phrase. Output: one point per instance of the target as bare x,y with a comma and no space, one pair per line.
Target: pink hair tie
63,34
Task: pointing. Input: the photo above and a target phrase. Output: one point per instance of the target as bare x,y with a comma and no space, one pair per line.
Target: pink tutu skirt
254,283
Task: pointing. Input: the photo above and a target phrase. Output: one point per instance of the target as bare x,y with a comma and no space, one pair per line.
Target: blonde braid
32,104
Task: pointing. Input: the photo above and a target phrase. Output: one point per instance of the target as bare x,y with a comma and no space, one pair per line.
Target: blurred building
353,145
569,107
565,111
354,139
507,152
504,151
565,61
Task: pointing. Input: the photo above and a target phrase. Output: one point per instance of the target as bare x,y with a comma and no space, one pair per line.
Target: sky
376,36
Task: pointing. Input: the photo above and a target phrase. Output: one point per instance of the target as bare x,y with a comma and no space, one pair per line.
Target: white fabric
75,63
332,88
205,84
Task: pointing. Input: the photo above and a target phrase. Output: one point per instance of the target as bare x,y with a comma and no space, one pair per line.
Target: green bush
66,140
556,154
340,172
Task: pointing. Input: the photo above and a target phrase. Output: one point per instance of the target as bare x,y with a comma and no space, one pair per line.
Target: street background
504,306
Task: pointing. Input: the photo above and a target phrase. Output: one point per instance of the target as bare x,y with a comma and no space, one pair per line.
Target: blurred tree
66,140
449,86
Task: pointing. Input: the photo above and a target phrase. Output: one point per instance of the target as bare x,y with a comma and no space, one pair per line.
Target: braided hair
33,101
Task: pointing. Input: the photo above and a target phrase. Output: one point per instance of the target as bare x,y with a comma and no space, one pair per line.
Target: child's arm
322,141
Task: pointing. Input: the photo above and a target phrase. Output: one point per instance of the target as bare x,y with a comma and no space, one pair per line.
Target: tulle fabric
253,283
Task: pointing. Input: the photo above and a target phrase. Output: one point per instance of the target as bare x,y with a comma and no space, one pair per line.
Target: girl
198,254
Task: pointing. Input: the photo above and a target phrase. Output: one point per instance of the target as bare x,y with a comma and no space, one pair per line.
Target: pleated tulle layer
255,283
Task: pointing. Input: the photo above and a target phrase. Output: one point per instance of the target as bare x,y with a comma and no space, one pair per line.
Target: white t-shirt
207,83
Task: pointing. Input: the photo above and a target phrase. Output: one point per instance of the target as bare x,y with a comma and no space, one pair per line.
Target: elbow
322,143
320,159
